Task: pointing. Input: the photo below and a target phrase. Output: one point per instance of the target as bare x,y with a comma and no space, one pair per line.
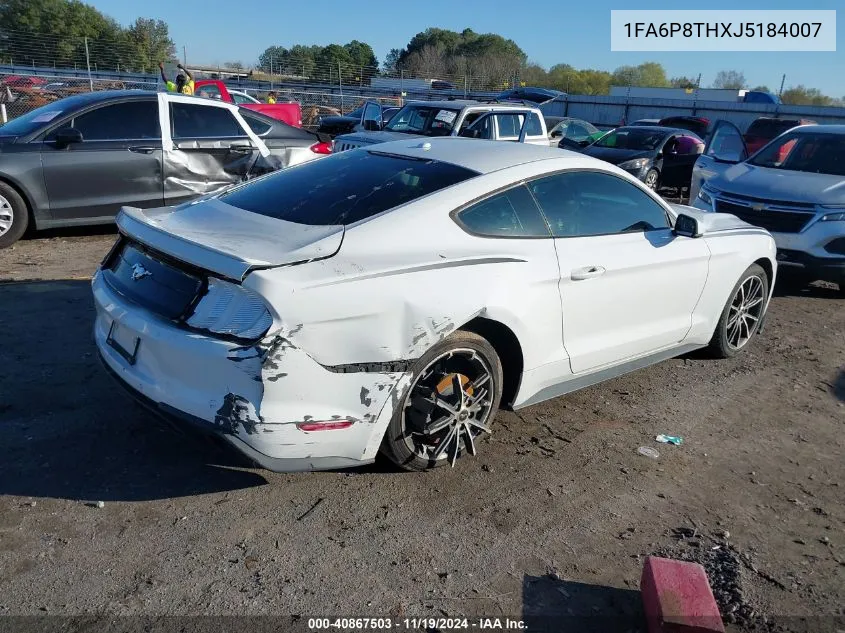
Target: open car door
724,147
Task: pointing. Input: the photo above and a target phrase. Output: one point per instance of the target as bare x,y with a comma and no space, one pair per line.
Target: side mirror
686,226
584,143
372,126
557,133
470,133
66,136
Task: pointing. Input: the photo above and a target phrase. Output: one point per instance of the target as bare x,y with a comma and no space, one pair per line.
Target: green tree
761,89
151,42
801,95
648,74
363,59
391,63
682,82
332,60
729,79
273,58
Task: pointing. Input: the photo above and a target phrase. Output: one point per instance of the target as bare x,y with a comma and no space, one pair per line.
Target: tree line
55,33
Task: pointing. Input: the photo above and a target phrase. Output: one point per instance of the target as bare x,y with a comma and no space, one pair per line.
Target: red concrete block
677,598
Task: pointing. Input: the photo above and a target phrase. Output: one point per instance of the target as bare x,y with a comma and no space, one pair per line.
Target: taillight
321,148
324,425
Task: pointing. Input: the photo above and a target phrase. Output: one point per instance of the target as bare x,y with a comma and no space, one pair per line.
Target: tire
652,179
411,441
727,339
14,216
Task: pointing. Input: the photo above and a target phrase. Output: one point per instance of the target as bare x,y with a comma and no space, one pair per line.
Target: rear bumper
253,397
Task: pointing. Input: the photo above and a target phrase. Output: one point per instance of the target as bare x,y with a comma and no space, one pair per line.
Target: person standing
271,98
184,80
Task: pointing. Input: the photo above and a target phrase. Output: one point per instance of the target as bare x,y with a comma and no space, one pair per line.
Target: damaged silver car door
209,148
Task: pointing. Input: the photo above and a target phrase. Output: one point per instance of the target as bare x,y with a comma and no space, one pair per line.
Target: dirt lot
550,522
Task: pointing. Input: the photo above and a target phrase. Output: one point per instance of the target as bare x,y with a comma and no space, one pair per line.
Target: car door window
726,143
372,116
259,126
484,126
509,125
533,127
584,203
577,132
131,120
512,213
210,91
191,120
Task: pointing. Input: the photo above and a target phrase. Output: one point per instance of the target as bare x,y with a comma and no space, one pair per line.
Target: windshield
423,119
344,188
632,138
31,121
814,153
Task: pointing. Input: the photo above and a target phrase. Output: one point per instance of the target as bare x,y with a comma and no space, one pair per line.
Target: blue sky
550,32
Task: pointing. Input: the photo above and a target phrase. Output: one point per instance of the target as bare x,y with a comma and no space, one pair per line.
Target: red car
764,129
16,81
290,113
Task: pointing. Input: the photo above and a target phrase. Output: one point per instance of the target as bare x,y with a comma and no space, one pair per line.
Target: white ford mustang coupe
392,299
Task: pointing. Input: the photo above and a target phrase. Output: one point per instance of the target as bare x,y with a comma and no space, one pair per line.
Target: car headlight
232,310
637,163
706,195
836,214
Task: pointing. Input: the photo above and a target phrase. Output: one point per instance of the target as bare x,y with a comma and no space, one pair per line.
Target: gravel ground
548,524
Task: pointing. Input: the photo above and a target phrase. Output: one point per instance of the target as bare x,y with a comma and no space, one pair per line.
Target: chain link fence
20,92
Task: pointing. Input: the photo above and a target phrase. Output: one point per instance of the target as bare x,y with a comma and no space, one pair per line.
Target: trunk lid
225,240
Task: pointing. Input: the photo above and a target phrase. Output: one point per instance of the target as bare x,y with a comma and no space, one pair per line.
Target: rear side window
771,128
259,126
512,213
533,127
345,188
191,120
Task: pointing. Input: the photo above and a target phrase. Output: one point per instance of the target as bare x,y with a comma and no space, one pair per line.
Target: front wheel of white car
742,314
452,400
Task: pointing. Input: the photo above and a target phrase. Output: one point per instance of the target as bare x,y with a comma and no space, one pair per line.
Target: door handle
587,272
142,149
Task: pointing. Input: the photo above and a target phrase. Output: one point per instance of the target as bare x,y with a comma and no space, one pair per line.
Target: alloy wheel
745,312
449,406
651,180
7,215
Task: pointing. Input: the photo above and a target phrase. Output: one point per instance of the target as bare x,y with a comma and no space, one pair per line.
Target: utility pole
698,81
185,55
782,80
88,63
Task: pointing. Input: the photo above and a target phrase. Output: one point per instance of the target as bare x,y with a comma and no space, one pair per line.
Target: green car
569,133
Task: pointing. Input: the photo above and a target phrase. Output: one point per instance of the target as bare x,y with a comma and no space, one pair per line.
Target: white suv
794,187
492,121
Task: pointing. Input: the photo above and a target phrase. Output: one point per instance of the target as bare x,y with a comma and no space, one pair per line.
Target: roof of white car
484,156
465,103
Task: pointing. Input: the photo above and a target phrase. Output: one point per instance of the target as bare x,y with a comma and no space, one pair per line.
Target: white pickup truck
474,119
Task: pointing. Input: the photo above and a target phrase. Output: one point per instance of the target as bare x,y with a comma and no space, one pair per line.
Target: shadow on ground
68,431
838,387
72,231
791,284
550,605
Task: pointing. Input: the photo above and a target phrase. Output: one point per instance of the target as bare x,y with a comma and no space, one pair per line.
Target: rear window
345,188
771,128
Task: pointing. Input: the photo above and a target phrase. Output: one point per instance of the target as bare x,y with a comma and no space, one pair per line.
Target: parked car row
78,160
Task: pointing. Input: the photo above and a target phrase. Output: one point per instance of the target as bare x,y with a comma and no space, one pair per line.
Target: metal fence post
3,118
340,83
88,64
